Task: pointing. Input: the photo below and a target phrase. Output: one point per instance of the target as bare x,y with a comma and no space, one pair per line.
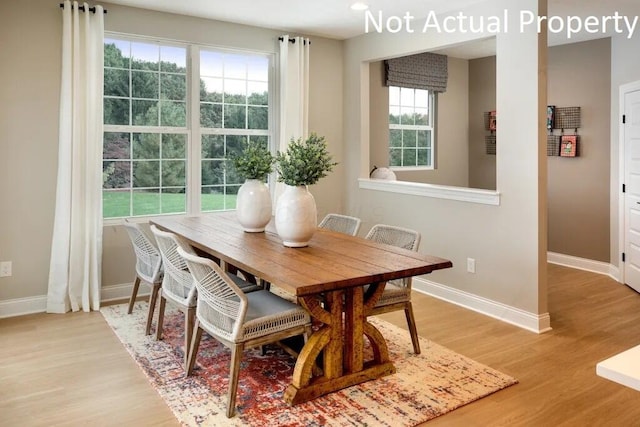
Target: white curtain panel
294,89
294,92
76,249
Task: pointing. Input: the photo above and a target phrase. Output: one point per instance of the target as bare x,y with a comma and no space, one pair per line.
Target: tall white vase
253,205
296,216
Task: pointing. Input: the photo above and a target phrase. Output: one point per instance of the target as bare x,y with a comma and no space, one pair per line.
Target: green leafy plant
254,162
305,161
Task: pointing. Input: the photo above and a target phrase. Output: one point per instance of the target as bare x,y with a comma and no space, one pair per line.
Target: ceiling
334,18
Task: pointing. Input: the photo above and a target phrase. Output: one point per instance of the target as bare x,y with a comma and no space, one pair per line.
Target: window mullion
194,168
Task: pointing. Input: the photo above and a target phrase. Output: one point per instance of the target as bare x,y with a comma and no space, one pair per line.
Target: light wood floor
71,370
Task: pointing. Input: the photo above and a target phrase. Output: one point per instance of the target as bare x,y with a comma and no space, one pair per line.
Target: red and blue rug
424,386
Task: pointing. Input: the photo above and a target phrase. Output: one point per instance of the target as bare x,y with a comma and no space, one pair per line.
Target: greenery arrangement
305,161
254,162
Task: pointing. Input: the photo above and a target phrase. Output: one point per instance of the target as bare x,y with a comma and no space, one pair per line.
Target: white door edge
623,91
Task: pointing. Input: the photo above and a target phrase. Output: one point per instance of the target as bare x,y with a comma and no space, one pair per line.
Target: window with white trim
165,142
411,128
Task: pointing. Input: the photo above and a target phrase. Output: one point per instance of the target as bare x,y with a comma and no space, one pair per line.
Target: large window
411,131
164,149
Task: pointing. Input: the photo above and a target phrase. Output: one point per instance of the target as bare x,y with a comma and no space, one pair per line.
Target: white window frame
193,130
430,127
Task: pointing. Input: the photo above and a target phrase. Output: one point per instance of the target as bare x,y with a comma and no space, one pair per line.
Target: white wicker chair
148,267
177,286
238,320
341,223
397,293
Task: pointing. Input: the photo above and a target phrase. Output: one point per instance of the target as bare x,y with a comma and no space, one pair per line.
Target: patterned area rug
424,386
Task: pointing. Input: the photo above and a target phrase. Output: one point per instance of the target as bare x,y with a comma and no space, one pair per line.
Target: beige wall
507,241
30,33
378,116
482,98
451,127
580,76
578,205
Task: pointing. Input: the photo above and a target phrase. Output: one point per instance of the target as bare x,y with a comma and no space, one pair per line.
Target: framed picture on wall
568,145
492,120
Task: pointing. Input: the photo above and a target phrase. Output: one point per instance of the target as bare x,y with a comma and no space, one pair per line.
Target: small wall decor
563,118
492,120
568,145
553,145
490,144
551,114
566,118
490,125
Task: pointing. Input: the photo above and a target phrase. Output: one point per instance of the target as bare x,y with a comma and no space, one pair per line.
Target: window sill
410,168
470,195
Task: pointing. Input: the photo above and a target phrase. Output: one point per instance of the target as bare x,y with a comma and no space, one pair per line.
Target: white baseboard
38,304
585,264
532,322
122,291
22,306
537,323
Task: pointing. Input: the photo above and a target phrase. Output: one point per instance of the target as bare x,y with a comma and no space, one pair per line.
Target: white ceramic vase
253,205
296,216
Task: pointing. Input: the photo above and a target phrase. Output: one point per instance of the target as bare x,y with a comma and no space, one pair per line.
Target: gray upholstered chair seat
243,284
238,320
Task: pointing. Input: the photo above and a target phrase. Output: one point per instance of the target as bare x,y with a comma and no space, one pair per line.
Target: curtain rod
292,40
91,9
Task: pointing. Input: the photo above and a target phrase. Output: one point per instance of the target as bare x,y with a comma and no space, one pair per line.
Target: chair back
396,236
148,257
222,306
341,223
177,283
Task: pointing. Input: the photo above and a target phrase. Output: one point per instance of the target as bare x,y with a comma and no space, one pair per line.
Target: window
164,150
234,109
411,129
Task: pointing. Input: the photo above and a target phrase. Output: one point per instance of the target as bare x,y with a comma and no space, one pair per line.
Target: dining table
337,278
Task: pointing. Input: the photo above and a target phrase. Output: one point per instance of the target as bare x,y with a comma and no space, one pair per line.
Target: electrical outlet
471,265
5,268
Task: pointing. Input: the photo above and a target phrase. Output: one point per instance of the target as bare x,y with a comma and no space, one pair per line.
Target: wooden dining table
337,278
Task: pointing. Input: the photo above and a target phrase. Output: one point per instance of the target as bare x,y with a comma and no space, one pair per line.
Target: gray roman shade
421,71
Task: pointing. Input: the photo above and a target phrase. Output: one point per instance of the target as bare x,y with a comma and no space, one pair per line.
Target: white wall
507,241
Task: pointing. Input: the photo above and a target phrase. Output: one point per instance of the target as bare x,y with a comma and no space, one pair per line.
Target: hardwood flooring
71,370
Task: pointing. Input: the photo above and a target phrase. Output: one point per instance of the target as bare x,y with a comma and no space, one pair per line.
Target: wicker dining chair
177,286
341,223
148,267
397,293
238,320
